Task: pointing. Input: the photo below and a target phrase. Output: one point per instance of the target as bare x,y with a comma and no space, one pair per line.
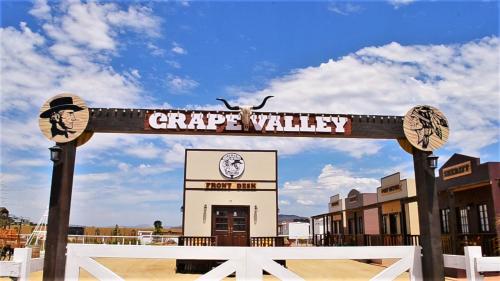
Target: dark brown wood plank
428,215
59,210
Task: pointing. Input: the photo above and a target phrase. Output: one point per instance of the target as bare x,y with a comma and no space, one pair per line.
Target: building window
360,225
464,220
385,219
484,225
445,223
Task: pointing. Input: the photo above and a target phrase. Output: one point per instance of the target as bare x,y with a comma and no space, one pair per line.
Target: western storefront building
398,210
336,207
469,202
361,215
230,197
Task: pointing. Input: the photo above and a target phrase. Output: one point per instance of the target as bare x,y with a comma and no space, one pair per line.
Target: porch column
452,223
59,209
428,212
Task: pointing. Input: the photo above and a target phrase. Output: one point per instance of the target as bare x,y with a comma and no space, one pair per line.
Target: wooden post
428,213
452,223
59,209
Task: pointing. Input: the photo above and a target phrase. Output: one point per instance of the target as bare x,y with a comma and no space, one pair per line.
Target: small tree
158,227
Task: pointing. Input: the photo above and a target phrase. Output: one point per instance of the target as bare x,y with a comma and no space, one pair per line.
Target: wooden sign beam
119,120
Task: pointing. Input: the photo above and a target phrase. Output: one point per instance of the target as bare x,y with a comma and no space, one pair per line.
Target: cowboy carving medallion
426,128
63,118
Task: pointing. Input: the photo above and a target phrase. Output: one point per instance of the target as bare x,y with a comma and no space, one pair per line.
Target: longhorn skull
245,111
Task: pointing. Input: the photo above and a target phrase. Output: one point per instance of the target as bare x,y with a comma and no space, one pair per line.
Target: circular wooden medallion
405,145
426,128
63,118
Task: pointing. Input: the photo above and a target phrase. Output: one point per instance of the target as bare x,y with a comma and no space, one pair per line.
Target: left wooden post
59,210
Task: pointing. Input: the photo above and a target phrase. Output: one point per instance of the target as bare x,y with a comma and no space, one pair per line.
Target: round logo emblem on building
63,118
232,165
426,128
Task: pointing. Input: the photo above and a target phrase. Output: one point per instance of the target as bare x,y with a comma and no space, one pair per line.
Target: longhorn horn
228,105
263,103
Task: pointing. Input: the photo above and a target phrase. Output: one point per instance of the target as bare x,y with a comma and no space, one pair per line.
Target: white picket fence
21,265
473,263
247,263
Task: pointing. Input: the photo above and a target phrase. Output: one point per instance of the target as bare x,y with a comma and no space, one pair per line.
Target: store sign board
262,123
458,170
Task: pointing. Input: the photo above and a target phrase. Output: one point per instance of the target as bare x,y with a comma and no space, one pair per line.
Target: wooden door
230,224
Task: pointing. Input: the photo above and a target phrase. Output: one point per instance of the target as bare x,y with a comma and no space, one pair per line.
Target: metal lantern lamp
55,153
432,160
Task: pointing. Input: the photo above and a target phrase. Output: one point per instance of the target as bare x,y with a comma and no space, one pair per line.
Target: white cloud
460,79
41,10
94,26
176,48
344,8
332,180
173,64
400,3
178,84
155,50
144,151
284,202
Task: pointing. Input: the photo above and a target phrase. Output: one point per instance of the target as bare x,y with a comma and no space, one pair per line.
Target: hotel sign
260,123
458,170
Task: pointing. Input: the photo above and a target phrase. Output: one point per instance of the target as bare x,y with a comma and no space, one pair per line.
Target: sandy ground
162,269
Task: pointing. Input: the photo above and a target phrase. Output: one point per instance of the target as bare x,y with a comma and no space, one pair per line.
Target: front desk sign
231,185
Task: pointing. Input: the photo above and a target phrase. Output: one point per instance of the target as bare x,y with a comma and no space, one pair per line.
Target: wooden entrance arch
282,124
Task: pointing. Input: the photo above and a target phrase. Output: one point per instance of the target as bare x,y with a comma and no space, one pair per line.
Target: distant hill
291,218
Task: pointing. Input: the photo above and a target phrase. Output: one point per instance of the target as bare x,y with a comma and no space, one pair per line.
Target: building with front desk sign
230,195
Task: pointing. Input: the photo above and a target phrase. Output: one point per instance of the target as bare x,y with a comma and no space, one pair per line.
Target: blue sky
340,57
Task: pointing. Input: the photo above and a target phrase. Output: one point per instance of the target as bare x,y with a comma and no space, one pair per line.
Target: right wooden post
428,213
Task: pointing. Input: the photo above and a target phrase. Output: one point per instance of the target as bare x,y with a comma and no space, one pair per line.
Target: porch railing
365,240
197,241
271,241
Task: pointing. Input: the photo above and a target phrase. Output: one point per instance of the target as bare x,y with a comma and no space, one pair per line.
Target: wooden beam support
59,210
119,120
428,214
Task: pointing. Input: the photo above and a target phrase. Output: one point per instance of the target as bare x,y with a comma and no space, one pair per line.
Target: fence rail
473,263
21,265
248,263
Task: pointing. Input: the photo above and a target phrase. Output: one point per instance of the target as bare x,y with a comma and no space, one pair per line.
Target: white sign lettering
261,122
